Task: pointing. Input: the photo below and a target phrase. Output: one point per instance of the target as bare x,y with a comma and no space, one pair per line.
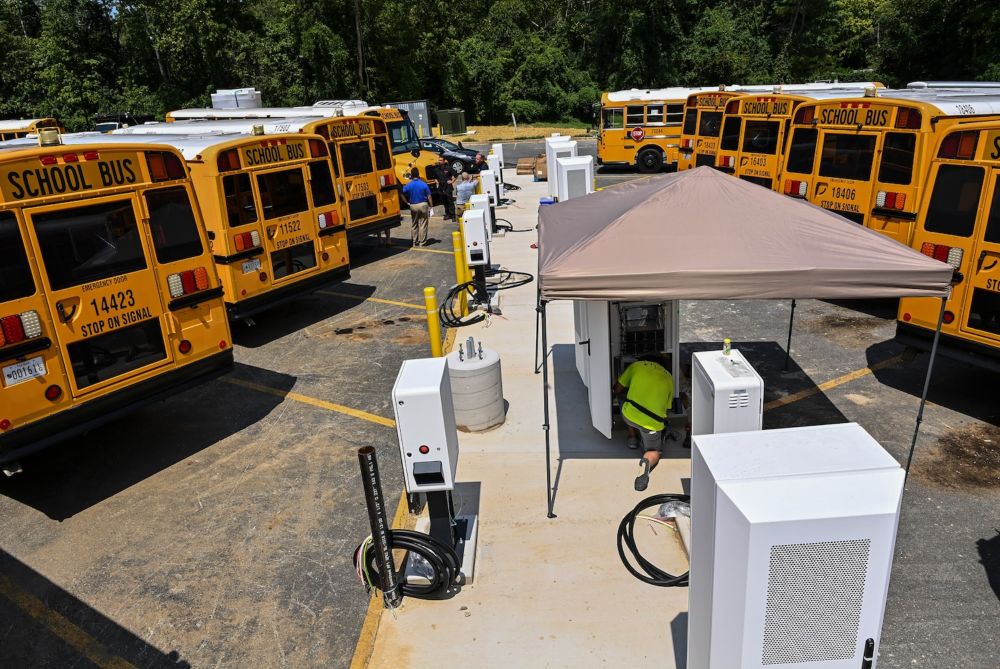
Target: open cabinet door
599,388
581,344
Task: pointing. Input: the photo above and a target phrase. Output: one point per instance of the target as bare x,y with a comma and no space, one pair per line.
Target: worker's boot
642,480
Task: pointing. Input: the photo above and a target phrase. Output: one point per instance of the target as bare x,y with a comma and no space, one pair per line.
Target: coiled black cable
626,540
442,559
504,224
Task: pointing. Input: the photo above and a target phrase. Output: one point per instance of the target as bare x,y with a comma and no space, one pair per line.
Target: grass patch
506,133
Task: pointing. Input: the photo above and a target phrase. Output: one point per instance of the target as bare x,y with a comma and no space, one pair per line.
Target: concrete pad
548,592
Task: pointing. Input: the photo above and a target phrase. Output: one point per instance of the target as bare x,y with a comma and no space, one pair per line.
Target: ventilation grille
739,399
814,598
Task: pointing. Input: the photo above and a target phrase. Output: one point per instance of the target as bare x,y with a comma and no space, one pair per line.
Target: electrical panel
553,151
482,201
727,393
574,177
792,536
475,228
425,425
488,184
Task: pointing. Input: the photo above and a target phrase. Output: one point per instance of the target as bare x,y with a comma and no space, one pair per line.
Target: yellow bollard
460,267
433,321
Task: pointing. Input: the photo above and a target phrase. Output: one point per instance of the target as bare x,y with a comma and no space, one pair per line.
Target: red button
424,449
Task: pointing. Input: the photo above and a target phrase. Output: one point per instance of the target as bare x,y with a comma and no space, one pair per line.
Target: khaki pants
419,215
459,210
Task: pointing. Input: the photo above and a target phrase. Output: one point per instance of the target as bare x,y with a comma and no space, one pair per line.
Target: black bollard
392,592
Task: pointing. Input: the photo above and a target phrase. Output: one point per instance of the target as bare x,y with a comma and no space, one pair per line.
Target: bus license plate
251,266
24,371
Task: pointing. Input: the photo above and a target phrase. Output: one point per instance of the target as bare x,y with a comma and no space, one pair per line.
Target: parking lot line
77,639
312,401
379,300
832,383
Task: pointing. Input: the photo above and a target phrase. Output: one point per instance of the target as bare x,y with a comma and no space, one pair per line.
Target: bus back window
282,193
321,183
85,244
15,273
731,134
240,207
356,158
614,119
710,124
954,200
992,235
847,156
897,158
690,121
761,137
802,153
383,159
172,225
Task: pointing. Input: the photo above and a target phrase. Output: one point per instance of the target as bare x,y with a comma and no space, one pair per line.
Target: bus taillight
959,145
327,219
889,200
804,115
229,160
246,240
187,282
727,161
17,328
386,180
317,148
687,143
164,166
795,188
950,254
908,118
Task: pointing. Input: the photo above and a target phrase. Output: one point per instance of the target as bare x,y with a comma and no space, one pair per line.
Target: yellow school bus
866,158
359,148
959,223
755,128
108,294
642,128
403,138
702,127
275,224
17,128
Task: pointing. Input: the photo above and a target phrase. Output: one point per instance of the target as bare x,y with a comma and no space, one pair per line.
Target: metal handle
581,343
63,316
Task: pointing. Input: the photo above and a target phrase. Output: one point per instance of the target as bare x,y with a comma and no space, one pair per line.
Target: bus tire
649,161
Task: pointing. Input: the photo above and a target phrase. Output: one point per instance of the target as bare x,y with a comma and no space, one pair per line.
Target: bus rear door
103,289
981,313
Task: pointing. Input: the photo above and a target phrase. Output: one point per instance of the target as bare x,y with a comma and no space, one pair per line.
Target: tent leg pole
545,405
538,318
788,348
927,385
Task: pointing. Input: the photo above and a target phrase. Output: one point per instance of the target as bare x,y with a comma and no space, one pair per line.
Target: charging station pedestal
428,447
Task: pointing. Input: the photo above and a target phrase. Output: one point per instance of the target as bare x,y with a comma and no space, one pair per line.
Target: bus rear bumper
373,227
255,305
949,346
36,436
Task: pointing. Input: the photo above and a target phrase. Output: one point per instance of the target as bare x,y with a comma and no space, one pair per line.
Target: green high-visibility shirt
651,386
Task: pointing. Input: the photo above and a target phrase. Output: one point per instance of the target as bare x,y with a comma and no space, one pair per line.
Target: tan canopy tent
700,234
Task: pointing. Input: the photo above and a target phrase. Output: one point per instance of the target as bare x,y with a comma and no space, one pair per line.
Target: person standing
446,182
465,188
479,164
418,195
649,394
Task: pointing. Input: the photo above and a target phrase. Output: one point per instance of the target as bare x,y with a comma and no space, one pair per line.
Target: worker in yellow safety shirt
649,393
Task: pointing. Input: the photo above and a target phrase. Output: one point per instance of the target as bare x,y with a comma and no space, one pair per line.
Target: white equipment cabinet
425,425
488,185
792,540
574,177
554,151
475,229
612,335
482,201
727,394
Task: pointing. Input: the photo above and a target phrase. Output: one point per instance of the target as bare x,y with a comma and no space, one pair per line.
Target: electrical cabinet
475,229
482,201
425,425
612,335
488,185
727,393
554,151
791,547
574,177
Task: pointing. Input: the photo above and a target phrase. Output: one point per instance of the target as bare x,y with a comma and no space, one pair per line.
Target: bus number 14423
114,302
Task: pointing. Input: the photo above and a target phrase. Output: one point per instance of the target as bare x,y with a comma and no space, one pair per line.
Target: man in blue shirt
418,195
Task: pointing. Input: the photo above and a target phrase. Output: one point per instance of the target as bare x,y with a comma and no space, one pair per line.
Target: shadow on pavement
72,476
679,635
989,557
45,626
885,309
288,317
